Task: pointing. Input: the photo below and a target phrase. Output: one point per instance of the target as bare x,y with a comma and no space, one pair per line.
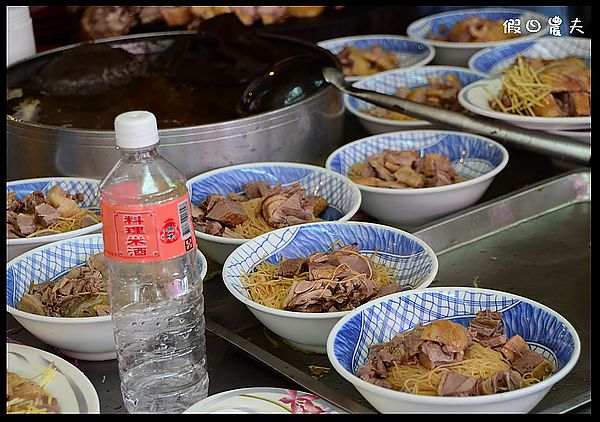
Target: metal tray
516,243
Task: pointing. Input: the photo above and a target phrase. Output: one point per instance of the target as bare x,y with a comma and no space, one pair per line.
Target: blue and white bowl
546,332
459,53
475,158
411,53
85,338
89,188
414,262
341,194
389,82
493,60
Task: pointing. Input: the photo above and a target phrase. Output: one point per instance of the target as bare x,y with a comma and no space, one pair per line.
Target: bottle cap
136,129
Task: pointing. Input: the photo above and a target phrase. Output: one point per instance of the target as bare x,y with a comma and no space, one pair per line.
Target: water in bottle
155,283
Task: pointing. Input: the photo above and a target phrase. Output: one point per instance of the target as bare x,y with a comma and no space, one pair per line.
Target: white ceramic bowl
411,53
476,98
493,60
343,197
89,188
546,332
389,82
475,158
85,338
414,262
459,53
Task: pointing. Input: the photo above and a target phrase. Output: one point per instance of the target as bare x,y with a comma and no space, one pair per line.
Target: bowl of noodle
340,200
335,263
45,210
453,350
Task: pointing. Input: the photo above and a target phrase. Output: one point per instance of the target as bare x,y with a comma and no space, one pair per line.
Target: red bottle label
150,233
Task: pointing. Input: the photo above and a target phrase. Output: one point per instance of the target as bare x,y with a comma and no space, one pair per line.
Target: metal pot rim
229,124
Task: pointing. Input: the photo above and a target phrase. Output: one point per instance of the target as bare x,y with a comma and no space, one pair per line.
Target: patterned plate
72,389
494,60
264,400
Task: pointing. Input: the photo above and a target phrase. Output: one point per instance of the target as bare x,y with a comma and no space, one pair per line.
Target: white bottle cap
136,129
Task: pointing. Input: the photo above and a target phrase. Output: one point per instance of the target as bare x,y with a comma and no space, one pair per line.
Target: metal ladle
295,78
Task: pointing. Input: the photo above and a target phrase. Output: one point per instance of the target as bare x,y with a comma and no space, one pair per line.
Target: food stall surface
546,257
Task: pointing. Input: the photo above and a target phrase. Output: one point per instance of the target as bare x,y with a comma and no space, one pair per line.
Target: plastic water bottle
155,285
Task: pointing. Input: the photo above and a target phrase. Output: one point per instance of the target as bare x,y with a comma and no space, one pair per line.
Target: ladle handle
549,144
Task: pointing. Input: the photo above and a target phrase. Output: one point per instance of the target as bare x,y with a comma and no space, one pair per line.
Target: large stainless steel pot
304,132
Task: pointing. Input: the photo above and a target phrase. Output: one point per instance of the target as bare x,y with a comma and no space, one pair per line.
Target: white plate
71,388
474,98
264,400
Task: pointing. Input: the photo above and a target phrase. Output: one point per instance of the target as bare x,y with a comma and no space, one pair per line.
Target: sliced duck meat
350,257
32,200
433,354
320,270
409,177
514,348
25,224
255,190
289,267
210,201
486,328
280,211
12,202
454,384
228,213
500,382
12,233
46,215
533,363
380,170
402,158
197,213
439,169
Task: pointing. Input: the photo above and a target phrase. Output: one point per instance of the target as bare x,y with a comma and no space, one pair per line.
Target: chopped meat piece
25,224
409,177
380,170
197,212
456,385
232,196
87,221
46,215
11,232
501,381
533,363
320,270
289,267
514,348
280,211
388,289
433,354
12,202
210,201
486,328
352,259
32,200
228,213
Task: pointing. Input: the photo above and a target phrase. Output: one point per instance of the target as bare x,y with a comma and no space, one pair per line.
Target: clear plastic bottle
155,286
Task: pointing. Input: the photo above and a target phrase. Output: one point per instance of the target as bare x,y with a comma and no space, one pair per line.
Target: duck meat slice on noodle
290,267
500,382
514,348
533,363
81,293
454,384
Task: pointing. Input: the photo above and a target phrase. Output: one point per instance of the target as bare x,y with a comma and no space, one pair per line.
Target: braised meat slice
533,363
228,213
289,267
501,381
454,384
